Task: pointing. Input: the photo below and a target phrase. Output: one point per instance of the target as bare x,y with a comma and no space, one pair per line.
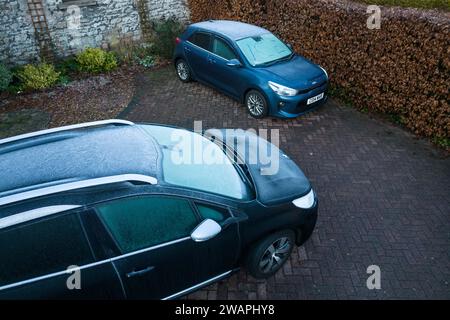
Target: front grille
317,85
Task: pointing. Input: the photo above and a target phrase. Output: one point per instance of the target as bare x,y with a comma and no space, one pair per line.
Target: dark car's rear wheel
183,71
269,255
256,104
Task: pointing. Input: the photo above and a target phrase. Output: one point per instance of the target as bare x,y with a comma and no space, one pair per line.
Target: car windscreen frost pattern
138,223
263,49
213,172
41,248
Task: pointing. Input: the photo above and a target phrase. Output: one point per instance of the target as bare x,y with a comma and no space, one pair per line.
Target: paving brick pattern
384,197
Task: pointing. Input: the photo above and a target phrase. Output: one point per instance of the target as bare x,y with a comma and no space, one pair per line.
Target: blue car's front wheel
256,104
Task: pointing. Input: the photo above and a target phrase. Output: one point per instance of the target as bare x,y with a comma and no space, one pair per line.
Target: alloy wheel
275,255
255,104
182,70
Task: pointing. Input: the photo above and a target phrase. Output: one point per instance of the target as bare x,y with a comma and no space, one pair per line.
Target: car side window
42,247
222,49
141,222
201,39
212,212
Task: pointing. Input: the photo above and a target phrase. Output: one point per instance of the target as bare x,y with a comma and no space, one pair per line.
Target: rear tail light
177,40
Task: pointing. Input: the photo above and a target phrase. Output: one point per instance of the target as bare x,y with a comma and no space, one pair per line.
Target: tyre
183,71
256,104
269,255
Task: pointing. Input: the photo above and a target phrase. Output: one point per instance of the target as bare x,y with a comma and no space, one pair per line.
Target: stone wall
168,8
76,25
17,42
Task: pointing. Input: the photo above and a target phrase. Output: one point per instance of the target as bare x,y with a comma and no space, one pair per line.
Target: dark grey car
101,211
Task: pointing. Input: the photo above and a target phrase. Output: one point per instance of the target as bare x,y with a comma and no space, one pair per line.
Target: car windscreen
192,161
263,49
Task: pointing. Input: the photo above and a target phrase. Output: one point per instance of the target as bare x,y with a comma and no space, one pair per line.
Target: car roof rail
34,214
66,128
70,186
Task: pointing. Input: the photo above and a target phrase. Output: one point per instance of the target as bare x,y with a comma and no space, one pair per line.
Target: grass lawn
429,4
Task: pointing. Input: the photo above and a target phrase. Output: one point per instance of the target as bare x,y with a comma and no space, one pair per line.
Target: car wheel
256,104
269,255
183,71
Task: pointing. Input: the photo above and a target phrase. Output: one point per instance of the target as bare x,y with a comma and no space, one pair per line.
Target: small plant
64,80
125,49
37,77
94,60
146,62
442,141
5,77
396,118
140,53
164,34
67,66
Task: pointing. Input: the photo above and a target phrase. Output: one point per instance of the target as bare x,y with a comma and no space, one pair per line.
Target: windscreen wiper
288,57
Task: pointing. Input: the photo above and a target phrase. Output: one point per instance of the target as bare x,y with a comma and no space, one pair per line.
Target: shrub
164,34
38,77
110,61
5,77
94,60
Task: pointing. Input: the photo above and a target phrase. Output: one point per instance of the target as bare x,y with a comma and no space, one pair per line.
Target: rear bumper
291,107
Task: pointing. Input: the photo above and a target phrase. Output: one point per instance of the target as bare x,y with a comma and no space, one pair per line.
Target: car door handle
139,272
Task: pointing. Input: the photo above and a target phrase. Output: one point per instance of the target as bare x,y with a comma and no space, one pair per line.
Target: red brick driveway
384,197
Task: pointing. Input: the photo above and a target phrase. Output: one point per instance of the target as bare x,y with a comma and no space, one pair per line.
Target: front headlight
305,202
282,90
326,73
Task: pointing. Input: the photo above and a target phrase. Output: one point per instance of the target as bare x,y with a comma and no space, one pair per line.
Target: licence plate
315,99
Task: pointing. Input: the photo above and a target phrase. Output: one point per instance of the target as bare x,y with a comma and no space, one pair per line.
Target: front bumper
308,223
291,107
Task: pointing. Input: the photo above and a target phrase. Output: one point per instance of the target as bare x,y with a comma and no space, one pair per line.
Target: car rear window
201,39
42,247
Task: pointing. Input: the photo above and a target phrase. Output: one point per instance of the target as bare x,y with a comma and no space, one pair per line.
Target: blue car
251,65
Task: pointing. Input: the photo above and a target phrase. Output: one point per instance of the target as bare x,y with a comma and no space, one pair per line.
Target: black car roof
74,155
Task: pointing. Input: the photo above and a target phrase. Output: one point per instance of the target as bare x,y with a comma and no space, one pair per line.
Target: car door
221,75
196,49
51,258
158,259
222,251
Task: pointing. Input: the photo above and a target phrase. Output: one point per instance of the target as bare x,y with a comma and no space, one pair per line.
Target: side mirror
234,63
206,230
